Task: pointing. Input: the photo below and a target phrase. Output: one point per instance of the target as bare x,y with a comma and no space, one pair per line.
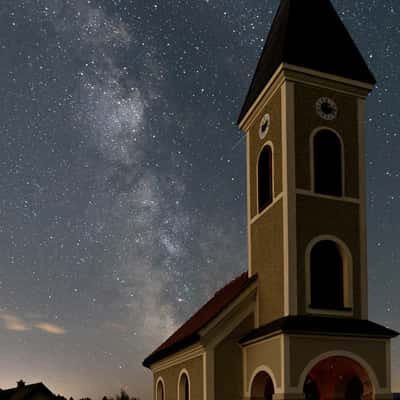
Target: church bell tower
304,122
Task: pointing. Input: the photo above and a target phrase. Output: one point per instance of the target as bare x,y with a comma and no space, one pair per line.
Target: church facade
295,325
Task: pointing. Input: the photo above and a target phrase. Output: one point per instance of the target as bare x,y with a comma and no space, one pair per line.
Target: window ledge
344,311
313,307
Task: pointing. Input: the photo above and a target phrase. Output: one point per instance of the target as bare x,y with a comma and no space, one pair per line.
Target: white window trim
268,371
271,145
311,149
160,380
184,371
347,259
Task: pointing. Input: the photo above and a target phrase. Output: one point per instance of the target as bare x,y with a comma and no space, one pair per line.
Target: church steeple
308,34
303,117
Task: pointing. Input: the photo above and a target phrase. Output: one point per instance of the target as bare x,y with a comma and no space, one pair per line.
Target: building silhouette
295,325
35,391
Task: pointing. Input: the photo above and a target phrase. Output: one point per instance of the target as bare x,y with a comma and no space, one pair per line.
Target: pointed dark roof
309,34
188,333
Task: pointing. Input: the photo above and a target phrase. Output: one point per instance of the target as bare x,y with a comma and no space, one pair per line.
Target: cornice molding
308,76
189,353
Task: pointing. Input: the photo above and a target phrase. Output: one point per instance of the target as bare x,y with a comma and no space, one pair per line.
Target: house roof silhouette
25,392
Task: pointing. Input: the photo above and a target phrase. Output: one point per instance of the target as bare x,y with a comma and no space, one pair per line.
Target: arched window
327,163
326,276
160,390
262,387
265,178
184,388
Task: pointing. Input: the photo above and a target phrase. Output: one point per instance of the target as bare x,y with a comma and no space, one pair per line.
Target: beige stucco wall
304,349
264,353
266,232
320,216
346,124
171,375
229,363
273,107
266,248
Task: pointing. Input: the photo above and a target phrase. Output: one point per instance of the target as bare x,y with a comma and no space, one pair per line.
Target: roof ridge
270,34
285,39
219,291
234,280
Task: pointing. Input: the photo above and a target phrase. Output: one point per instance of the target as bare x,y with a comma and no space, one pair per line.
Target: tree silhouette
122,396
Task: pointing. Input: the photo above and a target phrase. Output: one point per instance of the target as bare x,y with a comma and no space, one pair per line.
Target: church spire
308,34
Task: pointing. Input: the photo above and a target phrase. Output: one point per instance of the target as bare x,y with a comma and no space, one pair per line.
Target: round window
264,126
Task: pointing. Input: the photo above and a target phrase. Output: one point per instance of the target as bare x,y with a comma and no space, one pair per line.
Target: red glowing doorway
338,378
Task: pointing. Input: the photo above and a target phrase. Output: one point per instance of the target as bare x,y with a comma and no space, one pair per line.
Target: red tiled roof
188,333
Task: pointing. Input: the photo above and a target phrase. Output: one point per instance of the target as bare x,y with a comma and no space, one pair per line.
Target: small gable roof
309,34
188,333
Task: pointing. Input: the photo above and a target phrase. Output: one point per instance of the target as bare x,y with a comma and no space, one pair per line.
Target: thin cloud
13,323
17,324
51,328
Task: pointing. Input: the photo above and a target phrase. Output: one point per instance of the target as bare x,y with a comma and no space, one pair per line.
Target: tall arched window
326,276
327,163
160,390
184,388
265,178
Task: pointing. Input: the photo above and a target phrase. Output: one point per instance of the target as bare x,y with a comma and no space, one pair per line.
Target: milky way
123,201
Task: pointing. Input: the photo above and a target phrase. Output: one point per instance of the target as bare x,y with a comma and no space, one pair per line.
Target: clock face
264,126
326,108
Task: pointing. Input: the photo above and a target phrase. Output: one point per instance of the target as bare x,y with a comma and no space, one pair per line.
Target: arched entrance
262,387
338,378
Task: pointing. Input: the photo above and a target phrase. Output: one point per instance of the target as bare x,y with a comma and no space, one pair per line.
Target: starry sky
122,174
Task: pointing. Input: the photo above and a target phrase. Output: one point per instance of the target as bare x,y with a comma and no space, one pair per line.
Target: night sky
122,175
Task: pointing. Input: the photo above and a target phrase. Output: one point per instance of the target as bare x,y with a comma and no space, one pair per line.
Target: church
295,324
